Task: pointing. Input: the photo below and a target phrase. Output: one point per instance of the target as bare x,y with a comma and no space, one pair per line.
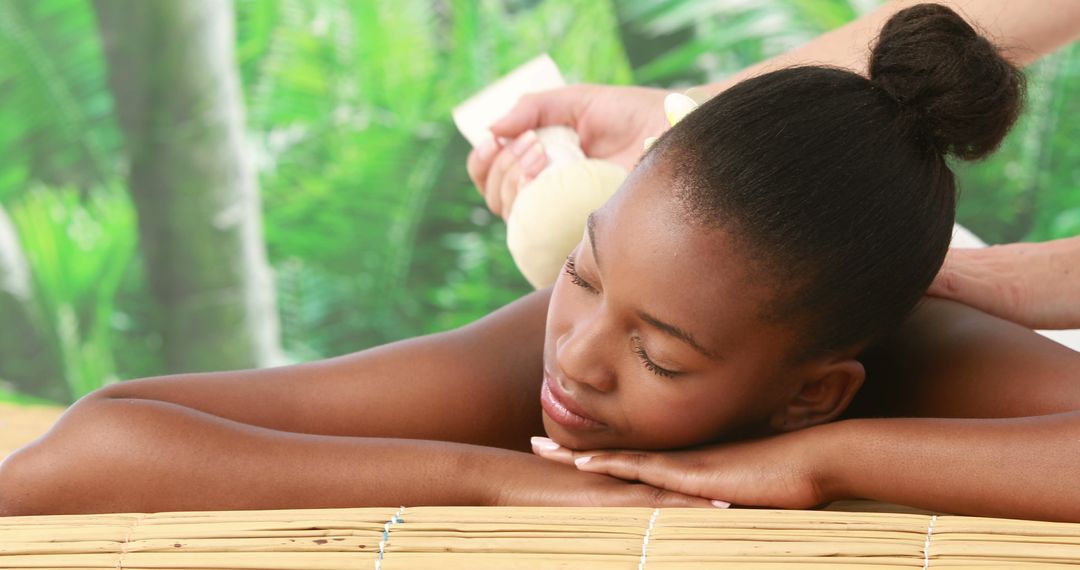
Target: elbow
21,484
56,473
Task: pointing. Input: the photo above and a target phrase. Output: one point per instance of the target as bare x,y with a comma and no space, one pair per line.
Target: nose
582,353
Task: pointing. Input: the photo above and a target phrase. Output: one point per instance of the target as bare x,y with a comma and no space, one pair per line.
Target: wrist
833,451
494,477
480,478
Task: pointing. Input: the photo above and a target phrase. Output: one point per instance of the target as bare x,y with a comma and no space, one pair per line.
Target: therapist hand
1033,284
612,122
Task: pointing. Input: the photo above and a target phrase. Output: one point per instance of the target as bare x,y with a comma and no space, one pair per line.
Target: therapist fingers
500,176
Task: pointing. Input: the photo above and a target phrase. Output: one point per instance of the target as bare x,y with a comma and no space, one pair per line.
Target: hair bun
954,89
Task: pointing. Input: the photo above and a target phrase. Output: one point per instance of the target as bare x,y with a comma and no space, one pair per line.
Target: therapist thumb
525,116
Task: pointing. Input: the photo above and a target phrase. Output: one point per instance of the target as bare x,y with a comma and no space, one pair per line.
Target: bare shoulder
476,384
950,360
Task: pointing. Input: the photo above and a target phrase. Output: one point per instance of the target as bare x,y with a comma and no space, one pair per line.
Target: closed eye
647,362
638,348
576,279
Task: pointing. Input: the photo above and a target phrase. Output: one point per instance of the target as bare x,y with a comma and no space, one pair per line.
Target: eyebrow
672,330
676,332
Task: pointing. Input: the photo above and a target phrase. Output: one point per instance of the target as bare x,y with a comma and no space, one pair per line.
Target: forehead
652,257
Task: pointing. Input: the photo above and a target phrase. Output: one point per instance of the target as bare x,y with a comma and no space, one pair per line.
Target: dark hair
837,184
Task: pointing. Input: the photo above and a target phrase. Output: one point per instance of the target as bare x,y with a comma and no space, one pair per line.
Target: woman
733,288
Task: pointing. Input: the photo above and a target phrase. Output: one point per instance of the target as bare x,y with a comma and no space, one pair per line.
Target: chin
597,440
559,434
592,440
577,440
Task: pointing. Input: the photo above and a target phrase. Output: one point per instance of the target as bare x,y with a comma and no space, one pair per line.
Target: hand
612,122
525,480
777,471
500,171
1026,283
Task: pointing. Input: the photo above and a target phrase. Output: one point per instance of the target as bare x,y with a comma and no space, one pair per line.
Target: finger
658,497
505,175
500,167
548,449
656,469
479,163
945,283
542,109
533,163
512,182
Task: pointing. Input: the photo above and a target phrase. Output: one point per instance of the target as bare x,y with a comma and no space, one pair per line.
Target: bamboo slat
482,538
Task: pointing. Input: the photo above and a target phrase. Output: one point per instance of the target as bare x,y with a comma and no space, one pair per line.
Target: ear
823,395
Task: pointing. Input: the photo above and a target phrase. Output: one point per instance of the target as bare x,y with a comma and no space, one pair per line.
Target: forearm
128,455
1016,468
1024,33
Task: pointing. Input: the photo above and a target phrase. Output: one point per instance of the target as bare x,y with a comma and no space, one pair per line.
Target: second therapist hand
1033,284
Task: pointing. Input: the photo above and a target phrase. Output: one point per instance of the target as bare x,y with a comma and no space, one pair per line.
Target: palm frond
715,39
54,81
78,254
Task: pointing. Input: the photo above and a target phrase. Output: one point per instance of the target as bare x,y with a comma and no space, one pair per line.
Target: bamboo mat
485,538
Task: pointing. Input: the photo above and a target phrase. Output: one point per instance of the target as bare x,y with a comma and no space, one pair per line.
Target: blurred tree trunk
26,359
173,75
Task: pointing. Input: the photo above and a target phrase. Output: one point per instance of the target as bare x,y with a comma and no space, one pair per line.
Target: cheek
562,296
566,302
680,416
558,314
663,421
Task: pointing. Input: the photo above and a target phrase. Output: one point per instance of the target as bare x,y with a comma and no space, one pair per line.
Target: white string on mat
127,541
926,545
645,539
396,519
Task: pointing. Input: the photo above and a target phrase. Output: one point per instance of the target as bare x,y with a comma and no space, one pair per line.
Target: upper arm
950,360
1025,31
477,384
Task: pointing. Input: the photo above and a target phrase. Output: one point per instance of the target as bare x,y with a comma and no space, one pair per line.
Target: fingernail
544,443
582,461
534,160
523,143
720,504
486,150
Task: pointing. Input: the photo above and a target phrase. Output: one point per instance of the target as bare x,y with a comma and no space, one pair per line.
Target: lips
558,406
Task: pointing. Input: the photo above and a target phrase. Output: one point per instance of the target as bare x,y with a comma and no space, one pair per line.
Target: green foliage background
373,229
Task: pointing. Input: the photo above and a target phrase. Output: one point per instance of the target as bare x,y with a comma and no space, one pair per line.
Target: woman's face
654,337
